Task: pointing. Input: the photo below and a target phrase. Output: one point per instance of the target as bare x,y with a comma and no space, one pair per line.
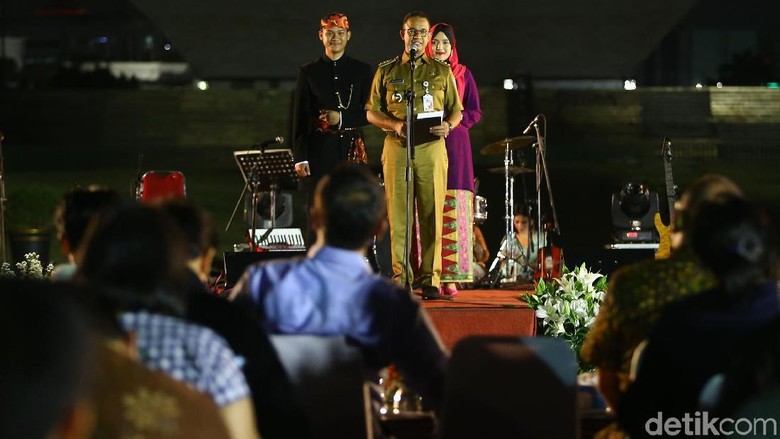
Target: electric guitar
665,243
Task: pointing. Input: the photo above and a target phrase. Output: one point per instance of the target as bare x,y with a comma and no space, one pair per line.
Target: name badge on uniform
427,99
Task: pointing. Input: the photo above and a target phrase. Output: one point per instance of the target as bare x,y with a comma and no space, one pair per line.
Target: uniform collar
422,59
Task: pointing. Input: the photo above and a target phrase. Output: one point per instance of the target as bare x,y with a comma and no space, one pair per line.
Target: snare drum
480,209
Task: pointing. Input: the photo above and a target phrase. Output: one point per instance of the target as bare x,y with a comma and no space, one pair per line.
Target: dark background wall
64,129
597,141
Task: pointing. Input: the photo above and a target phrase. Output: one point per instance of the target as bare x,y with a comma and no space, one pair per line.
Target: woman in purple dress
457,239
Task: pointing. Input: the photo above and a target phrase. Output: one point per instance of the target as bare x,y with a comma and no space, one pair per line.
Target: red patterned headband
335,20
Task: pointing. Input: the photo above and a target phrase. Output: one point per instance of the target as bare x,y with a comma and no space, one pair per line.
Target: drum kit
510,170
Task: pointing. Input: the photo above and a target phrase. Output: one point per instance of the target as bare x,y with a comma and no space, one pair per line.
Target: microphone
265,143
531,125
413,50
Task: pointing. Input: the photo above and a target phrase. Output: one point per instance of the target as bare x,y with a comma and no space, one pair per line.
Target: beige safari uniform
429,167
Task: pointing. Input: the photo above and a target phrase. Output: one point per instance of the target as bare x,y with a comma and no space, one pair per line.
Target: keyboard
280,239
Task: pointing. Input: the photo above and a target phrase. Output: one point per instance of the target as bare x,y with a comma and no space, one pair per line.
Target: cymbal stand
509,215
509,200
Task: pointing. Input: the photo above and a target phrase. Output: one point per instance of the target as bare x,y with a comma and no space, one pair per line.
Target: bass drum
480,209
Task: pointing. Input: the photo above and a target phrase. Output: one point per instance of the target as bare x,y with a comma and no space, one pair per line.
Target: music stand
264,171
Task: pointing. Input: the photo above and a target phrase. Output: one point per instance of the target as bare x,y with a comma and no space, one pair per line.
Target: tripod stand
264,171
513,254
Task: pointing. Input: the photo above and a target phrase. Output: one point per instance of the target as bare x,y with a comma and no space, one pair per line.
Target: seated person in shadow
131,400
637,293
72,216
333,291
278,413
136,255
46,366
695,337
751,384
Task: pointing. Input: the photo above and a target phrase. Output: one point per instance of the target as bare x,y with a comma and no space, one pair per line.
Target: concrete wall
597,140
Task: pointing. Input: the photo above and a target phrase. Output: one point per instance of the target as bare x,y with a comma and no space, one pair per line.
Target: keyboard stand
264,171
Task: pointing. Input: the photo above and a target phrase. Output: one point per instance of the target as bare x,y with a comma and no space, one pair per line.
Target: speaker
237,262
284,210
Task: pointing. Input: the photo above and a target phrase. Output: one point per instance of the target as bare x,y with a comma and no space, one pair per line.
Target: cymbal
514,143
513,170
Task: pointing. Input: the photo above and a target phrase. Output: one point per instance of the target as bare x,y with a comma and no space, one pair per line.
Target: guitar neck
670,191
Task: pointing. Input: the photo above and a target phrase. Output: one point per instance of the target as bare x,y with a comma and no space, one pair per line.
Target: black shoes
429,292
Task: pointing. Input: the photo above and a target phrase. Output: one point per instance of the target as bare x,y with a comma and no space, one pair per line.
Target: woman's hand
442,130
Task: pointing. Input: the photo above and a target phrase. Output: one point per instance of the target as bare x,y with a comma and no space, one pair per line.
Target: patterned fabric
335,20
357,151
457,237
189,353
635,297
134,402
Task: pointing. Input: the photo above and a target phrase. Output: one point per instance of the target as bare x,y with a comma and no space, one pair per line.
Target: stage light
629,84
167,46
773,85
698,85
202,85
719,84
633,209
510,84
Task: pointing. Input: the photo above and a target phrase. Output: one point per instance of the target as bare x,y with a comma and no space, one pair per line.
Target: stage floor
493,298
482,312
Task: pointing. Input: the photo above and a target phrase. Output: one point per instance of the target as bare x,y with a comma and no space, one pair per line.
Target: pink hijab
458,69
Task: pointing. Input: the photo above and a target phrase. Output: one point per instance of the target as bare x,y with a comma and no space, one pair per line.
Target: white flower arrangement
567,307
30,268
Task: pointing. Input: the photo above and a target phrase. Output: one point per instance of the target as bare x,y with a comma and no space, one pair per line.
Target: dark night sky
600,39
561,38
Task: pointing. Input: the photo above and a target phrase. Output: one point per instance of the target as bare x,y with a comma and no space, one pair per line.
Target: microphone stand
409,96
541,165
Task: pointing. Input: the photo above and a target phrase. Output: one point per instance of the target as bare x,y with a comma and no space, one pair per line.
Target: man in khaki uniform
434,90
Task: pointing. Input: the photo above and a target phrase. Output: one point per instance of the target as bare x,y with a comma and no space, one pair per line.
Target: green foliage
567,307
31,206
